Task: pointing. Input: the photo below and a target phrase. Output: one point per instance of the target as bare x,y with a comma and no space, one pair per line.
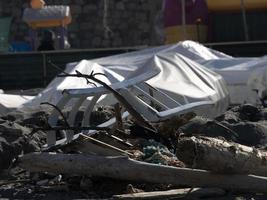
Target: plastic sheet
176,74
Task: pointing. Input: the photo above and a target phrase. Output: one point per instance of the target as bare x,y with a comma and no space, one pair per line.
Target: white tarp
242,75
9,102
176,73
246,78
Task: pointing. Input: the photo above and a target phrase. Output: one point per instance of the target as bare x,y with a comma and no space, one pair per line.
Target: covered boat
180,84
222,5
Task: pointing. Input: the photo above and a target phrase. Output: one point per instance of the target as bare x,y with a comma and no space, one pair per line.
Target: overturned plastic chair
167,85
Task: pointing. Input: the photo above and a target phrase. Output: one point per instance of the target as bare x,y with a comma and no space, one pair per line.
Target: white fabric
246,78
172,65
10,101
14,101
175,73
242,75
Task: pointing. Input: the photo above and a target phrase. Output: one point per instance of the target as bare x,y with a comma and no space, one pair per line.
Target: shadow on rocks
247,121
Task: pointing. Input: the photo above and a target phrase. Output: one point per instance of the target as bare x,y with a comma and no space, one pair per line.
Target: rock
76,9
6,154
29,116
251,133
14,139
86,184
96,42
92,11
120,6
16,136
79,2
86,26
89,8
246,121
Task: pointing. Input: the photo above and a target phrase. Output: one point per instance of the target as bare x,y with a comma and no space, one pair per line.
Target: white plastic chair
152,103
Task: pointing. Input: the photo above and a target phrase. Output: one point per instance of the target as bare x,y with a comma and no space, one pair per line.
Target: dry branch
221,156
124,168
137,116
178,193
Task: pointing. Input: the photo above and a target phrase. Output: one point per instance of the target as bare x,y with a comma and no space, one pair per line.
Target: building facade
98,23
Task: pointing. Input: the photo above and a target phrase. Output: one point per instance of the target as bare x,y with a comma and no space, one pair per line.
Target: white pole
244,20
183,19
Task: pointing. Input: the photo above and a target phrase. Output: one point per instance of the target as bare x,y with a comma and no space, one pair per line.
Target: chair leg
72,116
53,120
89,109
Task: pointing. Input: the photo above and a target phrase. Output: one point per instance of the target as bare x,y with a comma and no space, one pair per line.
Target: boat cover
10,102
175,72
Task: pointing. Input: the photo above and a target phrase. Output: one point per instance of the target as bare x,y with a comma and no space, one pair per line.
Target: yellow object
233,5
37,4
193,32
50,23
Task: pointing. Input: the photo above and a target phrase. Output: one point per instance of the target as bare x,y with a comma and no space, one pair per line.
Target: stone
117,42
86,26
120,6
76,9
15,139
86,44
141,16
79,2
96,42
106,43
123,16
143,26
131,6
89,8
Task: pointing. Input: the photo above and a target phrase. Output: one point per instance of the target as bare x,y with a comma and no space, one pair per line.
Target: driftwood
124,168
221,156
178,193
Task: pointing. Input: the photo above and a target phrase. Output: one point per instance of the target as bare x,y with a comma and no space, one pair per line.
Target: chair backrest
5,23
154,105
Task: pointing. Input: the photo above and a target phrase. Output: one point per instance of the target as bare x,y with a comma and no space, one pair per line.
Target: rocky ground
244,124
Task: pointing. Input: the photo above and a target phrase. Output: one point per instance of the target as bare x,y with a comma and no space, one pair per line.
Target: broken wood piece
123,168
221,156
119,139
113,140
86,144
119,124
118,117
177,193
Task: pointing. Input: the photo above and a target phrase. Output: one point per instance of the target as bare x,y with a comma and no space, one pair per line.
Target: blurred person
48,41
